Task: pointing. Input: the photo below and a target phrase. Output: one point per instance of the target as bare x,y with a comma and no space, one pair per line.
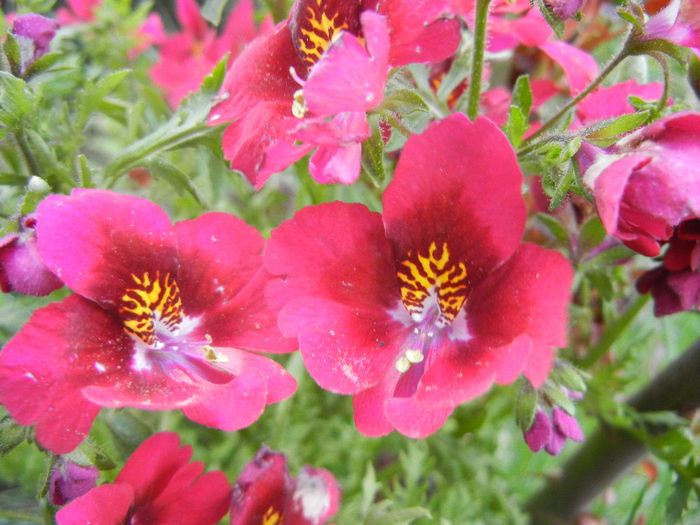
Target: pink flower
21,267
266,493
315,76
158,485
33,34
649,182
78,12
197,48
675,285
423,307
551,432
163,317
677,21
564,9
612,101
69,480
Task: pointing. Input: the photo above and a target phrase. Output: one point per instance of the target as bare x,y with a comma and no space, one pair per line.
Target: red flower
197,48
163,317
266,493
157,486
423,307
327,59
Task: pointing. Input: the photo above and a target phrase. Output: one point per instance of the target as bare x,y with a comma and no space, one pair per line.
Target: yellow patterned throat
153,301
434,273
272,517
316,22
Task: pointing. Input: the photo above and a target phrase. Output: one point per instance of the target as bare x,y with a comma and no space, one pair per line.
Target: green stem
613,332
10,515
583,94
667,79
27,152
610,452
482,12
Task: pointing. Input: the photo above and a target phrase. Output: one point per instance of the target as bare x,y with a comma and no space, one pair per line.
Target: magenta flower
552,431
649,182
78,11
197,48
675,285
33,34
266,493
678,22
564,9
21,268
312,80
69,480
158,485
423,307
163,317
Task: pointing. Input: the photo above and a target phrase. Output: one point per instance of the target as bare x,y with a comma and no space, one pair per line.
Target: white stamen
403,364
299,108
414,356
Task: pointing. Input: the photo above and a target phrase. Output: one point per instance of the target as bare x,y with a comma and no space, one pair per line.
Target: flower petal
103,505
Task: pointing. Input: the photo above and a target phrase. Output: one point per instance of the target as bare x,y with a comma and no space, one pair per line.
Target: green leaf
678,501
11,435
629,17
403,101
570,376
380,515
516,125
178,179
55,172
89,453
41,64
556,24
694,74
559,398
15,100
561,188
620,125
525,405
554,227
370,487
678,53
522,94
213,10
37,189
373,154
84,172
213,81
11,50
591,235
673,445
110,82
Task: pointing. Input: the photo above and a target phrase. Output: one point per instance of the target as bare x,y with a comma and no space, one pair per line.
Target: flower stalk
482,12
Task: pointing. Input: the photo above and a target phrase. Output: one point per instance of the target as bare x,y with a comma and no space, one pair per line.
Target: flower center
152,303
424,276
272,517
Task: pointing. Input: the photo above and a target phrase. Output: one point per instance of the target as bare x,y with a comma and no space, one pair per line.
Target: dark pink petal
350,77
370,417
263,486
556,442
336,164
219,255
567,425
531,30
416,32
104,505
96,240
457,183
579,67
69,481
540,433
21,268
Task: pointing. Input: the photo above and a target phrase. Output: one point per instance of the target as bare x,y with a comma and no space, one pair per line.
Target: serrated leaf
525,405
621,125
404,101
213,81
516,125
84,172
15,100
212,10
554,227
677,501
370,487
561,189
55,172
373,155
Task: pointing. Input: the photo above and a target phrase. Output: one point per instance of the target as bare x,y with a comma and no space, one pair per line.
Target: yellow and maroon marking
152,298
420,274
317,23
272,517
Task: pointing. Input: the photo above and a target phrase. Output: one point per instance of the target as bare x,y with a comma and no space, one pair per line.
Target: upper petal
104,505
457,183
96,240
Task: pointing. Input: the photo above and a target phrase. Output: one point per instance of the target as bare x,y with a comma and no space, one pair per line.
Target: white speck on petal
100,367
